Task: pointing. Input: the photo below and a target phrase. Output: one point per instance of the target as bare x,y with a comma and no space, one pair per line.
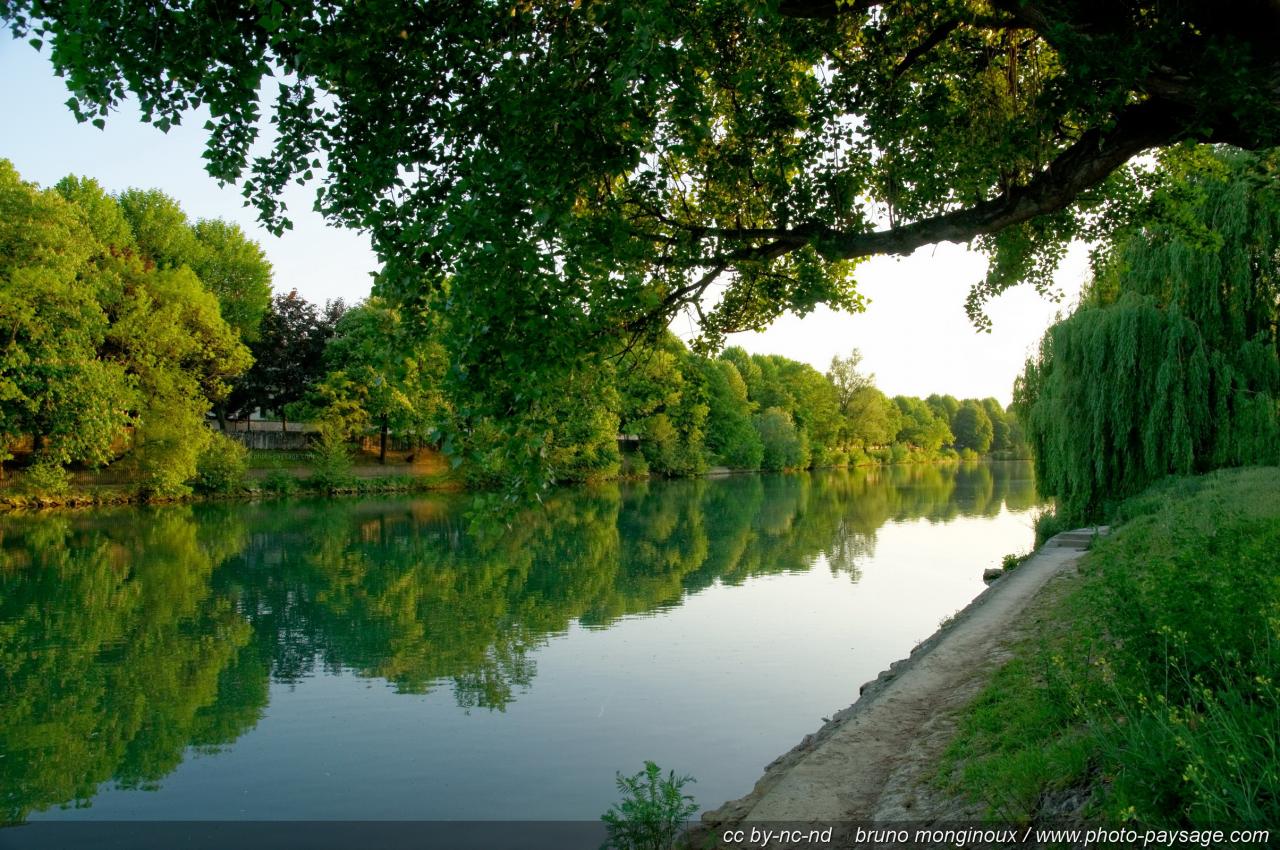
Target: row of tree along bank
128,324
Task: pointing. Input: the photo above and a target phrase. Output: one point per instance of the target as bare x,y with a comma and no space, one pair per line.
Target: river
396,659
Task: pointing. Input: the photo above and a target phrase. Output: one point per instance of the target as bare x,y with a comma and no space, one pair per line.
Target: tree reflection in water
127,636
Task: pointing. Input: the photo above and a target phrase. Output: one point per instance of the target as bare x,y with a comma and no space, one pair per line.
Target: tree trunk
220,411
382,443
284,420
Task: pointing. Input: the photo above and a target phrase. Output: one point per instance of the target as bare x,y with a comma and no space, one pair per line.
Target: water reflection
129,636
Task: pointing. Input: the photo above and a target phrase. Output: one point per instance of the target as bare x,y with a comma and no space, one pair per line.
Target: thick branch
1083,165
1080,167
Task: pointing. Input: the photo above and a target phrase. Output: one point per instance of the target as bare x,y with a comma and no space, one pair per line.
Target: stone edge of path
735,811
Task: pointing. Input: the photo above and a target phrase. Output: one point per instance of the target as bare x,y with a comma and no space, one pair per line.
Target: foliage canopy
105,346
581,172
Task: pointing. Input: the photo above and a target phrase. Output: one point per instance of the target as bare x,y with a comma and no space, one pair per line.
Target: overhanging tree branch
1081,166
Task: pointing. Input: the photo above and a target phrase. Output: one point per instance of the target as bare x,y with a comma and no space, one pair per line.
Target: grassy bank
1150,692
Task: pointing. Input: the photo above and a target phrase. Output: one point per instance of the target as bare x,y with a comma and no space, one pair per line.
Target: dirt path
871,762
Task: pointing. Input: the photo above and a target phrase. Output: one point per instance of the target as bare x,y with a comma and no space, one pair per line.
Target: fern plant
653,810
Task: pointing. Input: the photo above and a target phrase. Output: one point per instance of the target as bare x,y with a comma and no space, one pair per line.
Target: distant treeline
126,326
383,369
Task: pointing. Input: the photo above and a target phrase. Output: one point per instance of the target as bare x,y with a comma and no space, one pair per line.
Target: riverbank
1136,683
292,475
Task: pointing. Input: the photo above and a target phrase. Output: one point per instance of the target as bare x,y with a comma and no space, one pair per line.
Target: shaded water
380,659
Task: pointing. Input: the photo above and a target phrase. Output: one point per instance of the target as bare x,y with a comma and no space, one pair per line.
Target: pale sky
914,336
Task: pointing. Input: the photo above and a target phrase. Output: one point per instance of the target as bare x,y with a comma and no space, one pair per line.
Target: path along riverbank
873,761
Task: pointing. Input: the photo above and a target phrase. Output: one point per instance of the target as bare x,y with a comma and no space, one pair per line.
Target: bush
166,449
1012,561
634,466
330,460
1048,523
653,810
221,466
831,458
46,479
899,453
279,482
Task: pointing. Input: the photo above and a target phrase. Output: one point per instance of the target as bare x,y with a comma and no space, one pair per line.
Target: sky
914,336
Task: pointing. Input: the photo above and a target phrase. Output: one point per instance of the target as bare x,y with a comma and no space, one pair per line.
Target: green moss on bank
1150,691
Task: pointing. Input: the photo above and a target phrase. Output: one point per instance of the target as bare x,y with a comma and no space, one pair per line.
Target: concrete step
1079,538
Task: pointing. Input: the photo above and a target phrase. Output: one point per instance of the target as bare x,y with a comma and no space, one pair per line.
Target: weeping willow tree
1171,365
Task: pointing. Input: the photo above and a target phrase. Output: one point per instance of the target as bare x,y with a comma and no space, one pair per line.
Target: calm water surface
385,659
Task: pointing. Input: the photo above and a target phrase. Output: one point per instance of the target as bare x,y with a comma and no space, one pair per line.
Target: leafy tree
918,426
1171,363
288,355
973,429
235,269
873,418
159,227
382,371
171,337
847,380
228,263
731,438
1000,434
662,401
943,406
785,447
53,386
816,407
601,166
102,337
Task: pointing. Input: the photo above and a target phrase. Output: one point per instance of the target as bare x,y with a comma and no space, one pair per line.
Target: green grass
1151,682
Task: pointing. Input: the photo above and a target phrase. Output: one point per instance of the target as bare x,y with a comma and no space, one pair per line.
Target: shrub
221,466
279,482
330,459
1048,523
635,466
46,479
166,449
832,457
899,453
652,812
1012,561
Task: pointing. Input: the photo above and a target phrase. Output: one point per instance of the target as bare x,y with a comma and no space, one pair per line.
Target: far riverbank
295,474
